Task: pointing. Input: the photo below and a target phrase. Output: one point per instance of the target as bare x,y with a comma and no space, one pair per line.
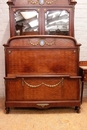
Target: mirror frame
12,19
57,16
23,25
71,18
42,11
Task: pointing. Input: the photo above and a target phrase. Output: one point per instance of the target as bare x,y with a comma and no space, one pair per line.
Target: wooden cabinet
43,17
42,63
83,73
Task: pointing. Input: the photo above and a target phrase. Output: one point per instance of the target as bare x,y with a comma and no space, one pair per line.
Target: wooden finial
73,2
10,2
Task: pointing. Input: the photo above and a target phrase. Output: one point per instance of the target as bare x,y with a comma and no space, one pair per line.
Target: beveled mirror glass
26,22
57,22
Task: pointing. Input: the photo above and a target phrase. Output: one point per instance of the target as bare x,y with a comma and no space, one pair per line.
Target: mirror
26,22
57,22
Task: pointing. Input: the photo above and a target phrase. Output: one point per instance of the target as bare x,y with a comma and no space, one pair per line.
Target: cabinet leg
7,109
82,91
77,109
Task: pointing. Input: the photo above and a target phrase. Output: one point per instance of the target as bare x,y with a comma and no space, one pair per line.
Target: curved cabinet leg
7,110
77,109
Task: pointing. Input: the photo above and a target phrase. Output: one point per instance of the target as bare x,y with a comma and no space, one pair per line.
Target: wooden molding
72,2
10,2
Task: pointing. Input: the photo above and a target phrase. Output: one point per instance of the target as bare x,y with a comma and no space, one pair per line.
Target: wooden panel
42,61
49,41
42,89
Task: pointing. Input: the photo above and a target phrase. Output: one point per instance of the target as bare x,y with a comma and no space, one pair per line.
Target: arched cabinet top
41,17
41,2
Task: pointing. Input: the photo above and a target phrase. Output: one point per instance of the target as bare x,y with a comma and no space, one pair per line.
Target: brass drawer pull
42,105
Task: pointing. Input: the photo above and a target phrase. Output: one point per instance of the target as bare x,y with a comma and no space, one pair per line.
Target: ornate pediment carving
12,2
72,2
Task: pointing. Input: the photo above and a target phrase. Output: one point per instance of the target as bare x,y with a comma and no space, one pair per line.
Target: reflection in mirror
26,22
57,22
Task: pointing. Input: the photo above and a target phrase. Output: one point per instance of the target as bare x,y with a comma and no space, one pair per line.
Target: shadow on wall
5,35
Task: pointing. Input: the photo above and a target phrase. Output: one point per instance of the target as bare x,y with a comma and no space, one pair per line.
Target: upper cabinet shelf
41,17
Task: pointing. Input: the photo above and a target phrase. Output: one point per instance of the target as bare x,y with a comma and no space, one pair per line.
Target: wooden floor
50,119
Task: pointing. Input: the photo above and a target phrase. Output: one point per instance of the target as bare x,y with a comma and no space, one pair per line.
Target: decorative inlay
50,43
33,1
34,42
9,51
49,1
41,1
47,85
42,105
41,42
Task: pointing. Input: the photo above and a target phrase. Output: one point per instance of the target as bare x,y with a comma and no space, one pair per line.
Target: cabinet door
58,21
41,17
25,21
42,21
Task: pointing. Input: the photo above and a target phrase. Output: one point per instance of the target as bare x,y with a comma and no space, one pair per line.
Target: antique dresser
42,55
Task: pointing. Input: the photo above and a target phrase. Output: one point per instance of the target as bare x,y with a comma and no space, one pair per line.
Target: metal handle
42,105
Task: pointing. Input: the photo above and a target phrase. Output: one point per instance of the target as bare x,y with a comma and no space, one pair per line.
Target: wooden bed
42,71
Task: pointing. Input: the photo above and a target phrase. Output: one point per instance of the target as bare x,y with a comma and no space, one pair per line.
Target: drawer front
42,89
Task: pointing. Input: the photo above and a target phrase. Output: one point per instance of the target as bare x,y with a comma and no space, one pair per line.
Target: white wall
4,35
80,33
81,27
